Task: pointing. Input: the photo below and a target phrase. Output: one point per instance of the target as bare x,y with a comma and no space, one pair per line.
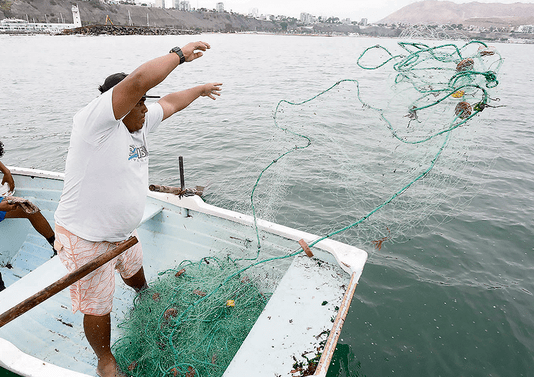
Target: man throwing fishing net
106,180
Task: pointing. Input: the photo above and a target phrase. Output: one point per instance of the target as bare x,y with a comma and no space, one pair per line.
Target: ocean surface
454,298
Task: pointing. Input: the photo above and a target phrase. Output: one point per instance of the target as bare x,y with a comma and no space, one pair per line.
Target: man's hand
9,180
177,101
189,50
208,90
6,207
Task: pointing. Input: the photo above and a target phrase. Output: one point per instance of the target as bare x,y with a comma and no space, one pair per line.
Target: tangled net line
188,323
454,81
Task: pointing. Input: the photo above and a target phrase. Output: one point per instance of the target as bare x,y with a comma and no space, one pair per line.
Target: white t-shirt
106,174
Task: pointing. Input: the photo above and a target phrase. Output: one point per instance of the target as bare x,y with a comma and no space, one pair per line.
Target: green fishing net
191,321
395,149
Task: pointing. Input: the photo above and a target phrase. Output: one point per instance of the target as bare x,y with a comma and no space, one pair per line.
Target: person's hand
6,207
8,178
211,89
190,50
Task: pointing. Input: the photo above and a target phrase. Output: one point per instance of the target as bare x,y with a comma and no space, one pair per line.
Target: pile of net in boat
394,147
190,322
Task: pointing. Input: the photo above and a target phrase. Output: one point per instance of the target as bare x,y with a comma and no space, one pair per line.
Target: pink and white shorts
93,294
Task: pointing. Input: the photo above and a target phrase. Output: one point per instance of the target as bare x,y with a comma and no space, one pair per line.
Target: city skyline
373,10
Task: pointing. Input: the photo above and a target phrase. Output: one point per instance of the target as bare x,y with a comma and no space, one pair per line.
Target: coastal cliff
93,12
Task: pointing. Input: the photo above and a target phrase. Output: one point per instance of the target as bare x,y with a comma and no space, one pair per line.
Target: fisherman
18,208
106,180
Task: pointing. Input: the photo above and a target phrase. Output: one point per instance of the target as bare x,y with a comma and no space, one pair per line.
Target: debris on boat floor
64,323
308,366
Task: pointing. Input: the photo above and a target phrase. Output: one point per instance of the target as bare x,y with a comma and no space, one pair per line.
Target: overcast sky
373,10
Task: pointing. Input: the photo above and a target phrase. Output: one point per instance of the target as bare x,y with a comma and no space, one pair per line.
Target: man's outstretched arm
174,102
129,91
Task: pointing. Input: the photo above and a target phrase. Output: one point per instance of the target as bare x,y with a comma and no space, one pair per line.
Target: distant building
10,25
159,3
307,18
219,7
254,12
363,22
175,4
525,29
345,21
185,5
77,20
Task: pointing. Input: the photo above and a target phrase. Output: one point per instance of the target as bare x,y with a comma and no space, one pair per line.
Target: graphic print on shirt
137,153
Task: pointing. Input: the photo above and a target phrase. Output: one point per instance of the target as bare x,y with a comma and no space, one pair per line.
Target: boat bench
151,210
33,282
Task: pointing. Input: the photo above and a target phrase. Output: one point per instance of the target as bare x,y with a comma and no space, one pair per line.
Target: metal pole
182,179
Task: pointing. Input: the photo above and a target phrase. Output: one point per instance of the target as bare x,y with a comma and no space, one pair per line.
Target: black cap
113,80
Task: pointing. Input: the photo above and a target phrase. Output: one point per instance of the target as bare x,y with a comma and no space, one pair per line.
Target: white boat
313,294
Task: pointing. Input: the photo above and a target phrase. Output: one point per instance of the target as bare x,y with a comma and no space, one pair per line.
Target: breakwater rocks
126,30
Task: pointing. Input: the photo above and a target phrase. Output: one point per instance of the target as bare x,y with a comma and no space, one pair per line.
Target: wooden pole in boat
331,342
182,179
64,282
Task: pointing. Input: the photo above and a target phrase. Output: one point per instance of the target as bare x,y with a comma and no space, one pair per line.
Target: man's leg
98,333
130,264
137,281
37,220
92,295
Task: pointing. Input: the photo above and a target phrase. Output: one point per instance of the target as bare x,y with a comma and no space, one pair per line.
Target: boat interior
170,232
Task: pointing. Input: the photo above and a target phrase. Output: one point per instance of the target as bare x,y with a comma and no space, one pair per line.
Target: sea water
456,300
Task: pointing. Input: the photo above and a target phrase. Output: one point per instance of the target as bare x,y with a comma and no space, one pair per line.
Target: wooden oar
64,282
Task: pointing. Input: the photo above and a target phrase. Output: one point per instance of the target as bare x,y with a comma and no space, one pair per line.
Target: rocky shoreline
126,30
